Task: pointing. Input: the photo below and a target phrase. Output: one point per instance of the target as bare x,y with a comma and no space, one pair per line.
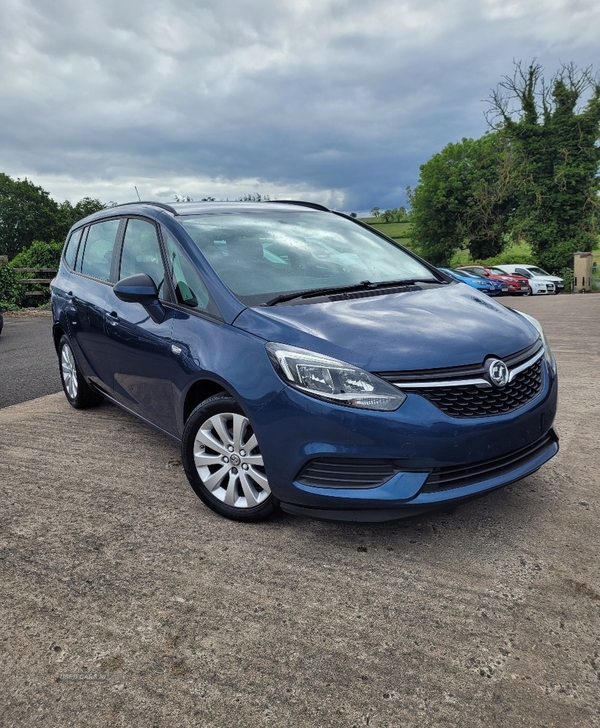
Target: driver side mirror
140,288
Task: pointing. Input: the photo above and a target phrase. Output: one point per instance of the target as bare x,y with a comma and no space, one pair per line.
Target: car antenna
137,193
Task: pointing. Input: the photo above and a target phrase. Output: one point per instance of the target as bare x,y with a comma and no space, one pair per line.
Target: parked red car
517,285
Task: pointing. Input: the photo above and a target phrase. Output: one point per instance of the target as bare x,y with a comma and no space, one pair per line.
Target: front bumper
418,439
428,499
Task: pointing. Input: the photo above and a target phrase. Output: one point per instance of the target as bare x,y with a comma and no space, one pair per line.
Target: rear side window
98,249
71,248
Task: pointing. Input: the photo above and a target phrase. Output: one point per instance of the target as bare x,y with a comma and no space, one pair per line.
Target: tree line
33,228
394,214
532,177
28,213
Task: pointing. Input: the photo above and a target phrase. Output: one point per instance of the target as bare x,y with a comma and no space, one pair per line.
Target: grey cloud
339,98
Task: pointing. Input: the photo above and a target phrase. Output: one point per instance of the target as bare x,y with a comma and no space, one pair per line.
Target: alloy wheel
69,371
228,461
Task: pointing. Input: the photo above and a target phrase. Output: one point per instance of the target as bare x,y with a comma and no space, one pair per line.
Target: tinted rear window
96,258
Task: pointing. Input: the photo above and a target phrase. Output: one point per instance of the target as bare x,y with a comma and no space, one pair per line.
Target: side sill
135,414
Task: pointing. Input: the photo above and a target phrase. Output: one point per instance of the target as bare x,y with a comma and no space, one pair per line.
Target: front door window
141,252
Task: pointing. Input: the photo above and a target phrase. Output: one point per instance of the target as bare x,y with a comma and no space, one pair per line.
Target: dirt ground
125,602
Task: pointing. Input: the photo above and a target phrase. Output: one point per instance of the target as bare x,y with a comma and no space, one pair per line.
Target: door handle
70,305
112,318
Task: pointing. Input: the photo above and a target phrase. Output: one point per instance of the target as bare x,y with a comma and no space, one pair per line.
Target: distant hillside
399,231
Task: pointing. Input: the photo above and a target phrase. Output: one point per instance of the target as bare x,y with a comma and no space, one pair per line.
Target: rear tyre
223,461
78,392
527,292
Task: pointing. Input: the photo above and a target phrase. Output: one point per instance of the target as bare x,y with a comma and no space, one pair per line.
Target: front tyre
223,461
77,391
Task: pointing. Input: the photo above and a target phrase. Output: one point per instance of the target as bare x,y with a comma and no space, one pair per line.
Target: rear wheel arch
57,335
78,392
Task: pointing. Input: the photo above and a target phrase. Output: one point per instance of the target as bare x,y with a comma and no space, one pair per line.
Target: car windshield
499,272
475,272
465,273
538,272
262,255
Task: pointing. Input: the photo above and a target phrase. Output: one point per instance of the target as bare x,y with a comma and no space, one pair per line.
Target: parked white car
539,280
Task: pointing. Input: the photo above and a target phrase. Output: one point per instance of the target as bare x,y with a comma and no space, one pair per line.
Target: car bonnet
428,329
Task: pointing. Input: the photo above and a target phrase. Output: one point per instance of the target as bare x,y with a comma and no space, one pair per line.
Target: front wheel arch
223,461
199,392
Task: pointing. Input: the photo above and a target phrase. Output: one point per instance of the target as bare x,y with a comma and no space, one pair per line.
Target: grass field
400,231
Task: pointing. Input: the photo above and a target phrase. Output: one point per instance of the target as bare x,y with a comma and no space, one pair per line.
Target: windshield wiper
315,292
363,285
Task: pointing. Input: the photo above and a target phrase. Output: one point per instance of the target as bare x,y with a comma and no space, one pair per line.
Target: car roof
468,273
153,208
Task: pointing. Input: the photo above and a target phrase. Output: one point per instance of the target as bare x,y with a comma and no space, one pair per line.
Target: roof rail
148,202
300,203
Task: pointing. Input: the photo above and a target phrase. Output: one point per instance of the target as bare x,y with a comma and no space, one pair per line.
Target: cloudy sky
337,101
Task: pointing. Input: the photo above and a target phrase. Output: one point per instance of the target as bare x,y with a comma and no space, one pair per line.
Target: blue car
304,361
485,285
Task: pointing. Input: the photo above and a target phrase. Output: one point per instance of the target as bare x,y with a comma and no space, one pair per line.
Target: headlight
547,351
332,380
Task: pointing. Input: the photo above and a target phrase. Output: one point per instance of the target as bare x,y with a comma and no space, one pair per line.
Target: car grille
463,392
472,401
449,477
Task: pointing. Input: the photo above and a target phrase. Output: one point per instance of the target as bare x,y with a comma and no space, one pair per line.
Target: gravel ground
125,602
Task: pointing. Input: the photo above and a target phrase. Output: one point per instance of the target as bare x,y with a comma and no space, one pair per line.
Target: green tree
69,214
27,212
39,255
395,214
464,198
553,129
11,291
375,212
